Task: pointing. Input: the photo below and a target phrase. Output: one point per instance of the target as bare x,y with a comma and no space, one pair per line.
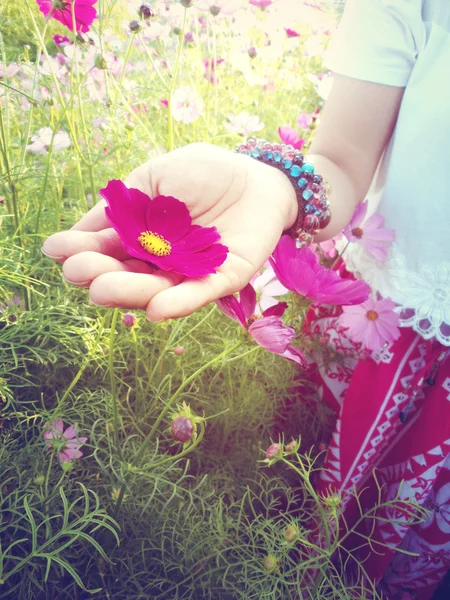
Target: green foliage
139,516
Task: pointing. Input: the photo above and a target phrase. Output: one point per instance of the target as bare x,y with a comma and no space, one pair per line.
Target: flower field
178,459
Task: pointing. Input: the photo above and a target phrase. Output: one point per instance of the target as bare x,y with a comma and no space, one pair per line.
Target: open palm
250,204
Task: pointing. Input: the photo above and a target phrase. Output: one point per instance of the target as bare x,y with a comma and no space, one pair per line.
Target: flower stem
112,380
174,81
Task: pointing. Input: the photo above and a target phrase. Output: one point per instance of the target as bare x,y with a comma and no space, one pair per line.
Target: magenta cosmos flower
290,136
160,231
63,11
373,323
370,233
65,443
267,329
301,272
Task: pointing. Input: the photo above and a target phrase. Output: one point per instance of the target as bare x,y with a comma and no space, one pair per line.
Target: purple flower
128,319
65,443
301,272
267,329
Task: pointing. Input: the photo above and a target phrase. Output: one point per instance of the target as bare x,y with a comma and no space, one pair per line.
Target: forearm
343,196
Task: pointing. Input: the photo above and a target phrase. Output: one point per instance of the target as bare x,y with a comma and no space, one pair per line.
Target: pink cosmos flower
261,3
370,233
267,329
290,136
301,272
304,120
373,322
65,443
160,231
186,105
291,33
42,140
62,10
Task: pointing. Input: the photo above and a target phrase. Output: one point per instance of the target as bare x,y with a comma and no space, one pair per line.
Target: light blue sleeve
377,41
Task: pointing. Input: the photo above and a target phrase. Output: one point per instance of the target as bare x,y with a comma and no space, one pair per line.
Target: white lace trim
422,295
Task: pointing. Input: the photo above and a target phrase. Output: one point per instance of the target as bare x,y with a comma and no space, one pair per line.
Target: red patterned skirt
391,440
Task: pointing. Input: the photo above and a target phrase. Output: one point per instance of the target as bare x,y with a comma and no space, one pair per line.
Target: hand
249,202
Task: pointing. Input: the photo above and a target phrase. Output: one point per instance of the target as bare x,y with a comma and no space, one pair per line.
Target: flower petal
270,333
247,299
169,217
230,306
198,238
276,310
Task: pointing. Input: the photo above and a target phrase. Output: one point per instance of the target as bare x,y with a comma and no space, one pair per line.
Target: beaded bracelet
310,188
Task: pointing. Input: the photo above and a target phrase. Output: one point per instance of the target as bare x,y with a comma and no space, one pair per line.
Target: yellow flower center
372,315
358,232
154,243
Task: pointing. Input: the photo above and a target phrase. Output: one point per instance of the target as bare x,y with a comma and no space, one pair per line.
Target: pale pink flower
268,288
65,443
186,105
374,322
8,71
261,3
291,137
304,120
244,123
369,233
42,140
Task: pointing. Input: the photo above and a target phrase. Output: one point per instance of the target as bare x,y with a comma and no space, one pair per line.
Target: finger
192,294
94,220
81,269
63,244
130,290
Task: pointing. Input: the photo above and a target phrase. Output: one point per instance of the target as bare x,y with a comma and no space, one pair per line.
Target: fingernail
51,255
78,283
152,320
92,303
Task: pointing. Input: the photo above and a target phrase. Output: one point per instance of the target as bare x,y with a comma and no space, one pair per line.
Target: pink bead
311,223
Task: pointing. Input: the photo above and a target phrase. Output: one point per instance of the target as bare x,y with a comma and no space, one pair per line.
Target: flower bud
290,533
273,450
291,446
178,350
214,10
252,52
189,38
100,62
66,466
270,563
39,479
146,11
129,319
134,26
187,3
182,429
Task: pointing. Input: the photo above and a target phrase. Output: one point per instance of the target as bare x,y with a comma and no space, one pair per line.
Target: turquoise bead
295,171
302,183
254,153
277,156
307,195
308,168
267,155
287,164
